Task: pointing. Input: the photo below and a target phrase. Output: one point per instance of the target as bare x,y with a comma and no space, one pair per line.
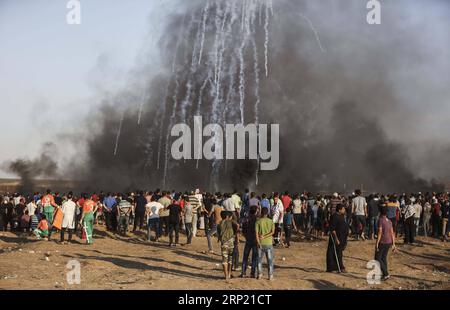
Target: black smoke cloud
335,85
30,169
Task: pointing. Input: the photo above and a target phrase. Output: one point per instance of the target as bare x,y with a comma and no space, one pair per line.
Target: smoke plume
348,97
29,170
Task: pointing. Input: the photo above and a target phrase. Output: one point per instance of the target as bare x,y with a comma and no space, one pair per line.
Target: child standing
288,224
226,232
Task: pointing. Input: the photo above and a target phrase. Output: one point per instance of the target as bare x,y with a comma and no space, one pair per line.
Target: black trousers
189,232
107,216
139,220
436,222
287,234
410,229
334,256
174,227
381,257
277,234
5,221
164,224
63,230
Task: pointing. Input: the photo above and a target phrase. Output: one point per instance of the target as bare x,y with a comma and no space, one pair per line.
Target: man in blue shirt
109,202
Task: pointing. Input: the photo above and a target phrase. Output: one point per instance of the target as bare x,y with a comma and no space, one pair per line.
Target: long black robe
334,251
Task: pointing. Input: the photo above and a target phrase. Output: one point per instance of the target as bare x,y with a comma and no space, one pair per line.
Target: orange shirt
48,200
88,206
43,225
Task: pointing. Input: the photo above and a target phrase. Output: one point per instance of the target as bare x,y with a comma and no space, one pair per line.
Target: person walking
359,209
385,240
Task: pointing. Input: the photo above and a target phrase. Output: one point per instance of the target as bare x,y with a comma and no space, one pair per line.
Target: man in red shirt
286,200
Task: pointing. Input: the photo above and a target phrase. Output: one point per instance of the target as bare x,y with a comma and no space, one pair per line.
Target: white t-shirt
278,214
153,209
229,205
31,207
297,206
359,204
418,210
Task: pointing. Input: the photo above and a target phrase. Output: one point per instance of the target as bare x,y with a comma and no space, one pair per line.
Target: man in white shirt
31,207
68,223
229,204
153,209
278,213
359,209
418,212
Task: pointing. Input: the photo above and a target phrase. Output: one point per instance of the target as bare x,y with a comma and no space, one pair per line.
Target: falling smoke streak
314,31
258,99
198,37
163,113
216,103
199,105
260,12
242,78
205,17
141,106
243,14
223,38
266,41
119,131
216,40
232,74
172,119
166,96
174,106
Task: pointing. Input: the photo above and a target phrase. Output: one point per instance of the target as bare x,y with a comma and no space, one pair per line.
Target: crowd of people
265,221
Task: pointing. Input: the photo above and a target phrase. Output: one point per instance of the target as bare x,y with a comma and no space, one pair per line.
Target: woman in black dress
338,240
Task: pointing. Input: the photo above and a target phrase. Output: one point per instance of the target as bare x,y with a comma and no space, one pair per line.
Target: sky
51,73
49,69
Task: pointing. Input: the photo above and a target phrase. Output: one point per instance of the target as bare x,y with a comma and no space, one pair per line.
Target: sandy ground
131,263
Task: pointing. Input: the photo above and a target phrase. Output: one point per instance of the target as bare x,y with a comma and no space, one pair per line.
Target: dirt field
131,263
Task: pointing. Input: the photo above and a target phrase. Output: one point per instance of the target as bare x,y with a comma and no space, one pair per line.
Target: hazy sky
51,72
48,69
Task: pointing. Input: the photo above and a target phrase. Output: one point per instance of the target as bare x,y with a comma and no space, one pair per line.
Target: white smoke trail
271,7
266,41
163,114
260,12
198,37
258,98
186,100
243,14
199,105
205,17
119,131
172,119
175,99
314,31
141,107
